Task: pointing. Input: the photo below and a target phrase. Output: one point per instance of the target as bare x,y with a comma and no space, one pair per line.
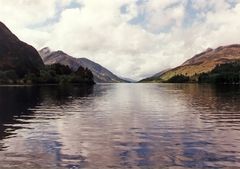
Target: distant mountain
17,56
129,80
202,63
101,74
155,76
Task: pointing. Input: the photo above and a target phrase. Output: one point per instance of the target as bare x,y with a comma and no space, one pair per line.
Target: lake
108,126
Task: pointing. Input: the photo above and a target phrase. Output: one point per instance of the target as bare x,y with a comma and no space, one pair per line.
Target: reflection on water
120,126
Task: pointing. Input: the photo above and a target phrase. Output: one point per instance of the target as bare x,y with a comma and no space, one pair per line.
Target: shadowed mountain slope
16,55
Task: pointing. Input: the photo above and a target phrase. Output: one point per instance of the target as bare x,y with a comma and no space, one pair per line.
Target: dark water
139,126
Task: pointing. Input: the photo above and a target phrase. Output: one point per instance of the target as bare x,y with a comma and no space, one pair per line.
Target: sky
132,38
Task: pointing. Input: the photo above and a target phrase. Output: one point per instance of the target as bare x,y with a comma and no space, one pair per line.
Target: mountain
129,80
101,74
17,56
20,63
155,76
203,63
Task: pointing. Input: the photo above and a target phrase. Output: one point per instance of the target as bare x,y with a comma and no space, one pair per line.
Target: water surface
139,126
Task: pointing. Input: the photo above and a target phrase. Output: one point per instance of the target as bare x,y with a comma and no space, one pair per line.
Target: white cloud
162,14
103,32
25,12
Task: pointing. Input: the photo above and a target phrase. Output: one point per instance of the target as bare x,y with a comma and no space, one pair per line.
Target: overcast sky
132,38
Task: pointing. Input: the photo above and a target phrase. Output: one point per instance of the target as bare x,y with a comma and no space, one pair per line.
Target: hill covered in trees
201,63
228,73
62,74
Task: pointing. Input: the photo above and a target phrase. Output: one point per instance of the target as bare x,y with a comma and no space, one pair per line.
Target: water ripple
135,126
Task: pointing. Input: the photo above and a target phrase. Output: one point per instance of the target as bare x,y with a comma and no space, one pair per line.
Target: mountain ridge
101,74
202,63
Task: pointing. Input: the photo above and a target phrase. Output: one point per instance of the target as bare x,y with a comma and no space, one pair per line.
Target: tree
179,79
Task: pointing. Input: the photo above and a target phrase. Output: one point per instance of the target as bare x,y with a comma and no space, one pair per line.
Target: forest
49,74
228,73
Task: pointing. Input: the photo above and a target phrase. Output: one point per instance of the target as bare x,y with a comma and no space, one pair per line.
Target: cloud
160,15
132,38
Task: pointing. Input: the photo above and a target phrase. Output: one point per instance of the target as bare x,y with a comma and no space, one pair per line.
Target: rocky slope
203,62
101,74
16,55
